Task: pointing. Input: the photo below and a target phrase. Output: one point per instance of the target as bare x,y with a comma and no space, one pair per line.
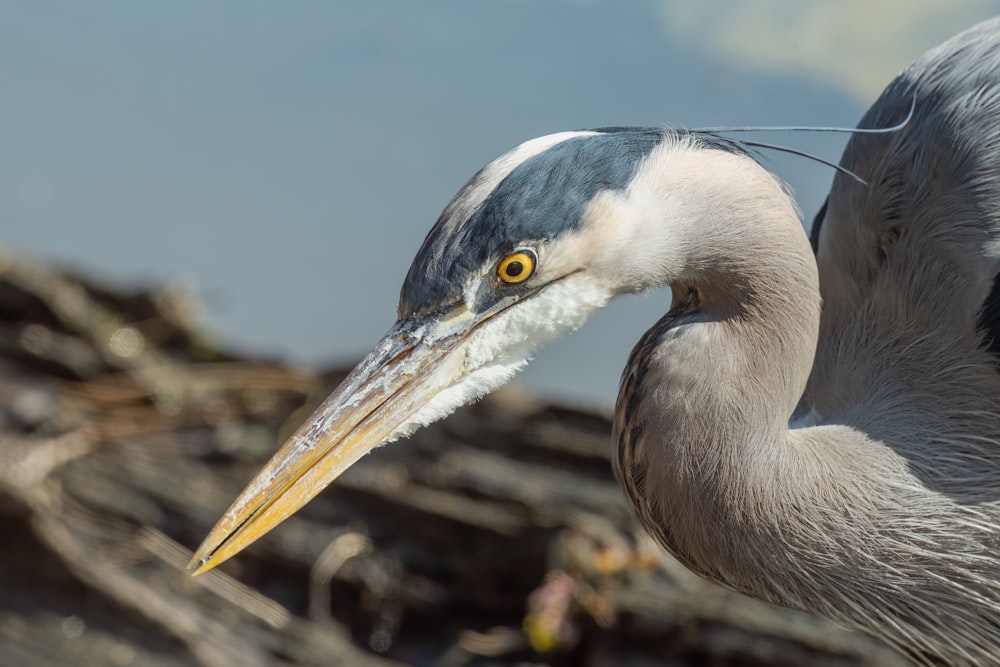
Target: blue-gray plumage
539,199
822,432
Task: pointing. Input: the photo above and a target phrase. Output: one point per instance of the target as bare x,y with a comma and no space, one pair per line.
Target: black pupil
514,269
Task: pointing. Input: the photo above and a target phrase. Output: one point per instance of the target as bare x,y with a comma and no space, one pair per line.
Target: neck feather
701,423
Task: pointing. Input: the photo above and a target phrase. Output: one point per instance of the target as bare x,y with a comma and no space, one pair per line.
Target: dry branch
495,538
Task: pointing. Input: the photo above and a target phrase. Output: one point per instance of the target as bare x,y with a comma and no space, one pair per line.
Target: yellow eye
517,267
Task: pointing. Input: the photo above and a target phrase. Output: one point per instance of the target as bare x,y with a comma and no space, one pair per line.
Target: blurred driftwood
497,537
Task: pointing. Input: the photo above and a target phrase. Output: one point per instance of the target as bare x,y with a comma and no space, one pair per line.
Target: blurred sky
287,158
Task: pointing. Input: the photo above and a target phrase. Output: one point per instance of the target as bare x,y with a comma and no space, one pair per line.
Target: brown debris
497,537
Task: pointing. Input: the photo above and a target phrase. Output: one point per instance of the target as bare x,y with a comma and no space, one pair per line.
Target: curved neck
718,225
703,411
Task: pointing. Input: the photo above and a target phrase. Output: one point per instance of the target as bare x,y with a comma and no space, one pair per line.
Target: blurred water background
286,159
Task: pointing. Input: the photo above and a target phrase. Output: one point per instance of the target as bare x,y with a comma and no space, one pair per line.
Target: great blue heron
843,461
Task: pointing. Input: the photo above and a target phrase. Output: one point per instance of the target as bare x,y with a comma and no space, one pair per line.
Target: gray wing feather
914,256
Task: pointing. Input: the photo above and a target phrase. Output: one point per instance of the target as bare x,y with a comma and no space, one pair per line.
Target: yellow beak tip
203,561
199,566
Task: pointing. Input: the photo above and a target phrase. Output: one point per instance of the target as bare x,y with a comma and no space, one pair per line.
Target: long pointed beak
412,363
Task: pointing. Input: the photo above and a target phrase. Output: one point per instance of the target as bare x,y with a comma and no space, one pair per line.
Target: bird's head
528,248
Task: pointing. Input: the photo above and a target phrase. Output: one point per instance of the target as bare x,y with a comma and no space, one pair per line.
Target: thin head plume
809,128
815,158
805,128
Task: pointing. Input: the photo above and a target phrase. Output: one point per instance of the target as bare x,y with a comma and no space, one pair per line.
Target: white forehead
486,181
509,161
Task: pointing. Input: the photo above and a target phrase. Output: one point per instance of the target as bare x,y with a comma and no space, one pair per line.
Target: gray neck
702,418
